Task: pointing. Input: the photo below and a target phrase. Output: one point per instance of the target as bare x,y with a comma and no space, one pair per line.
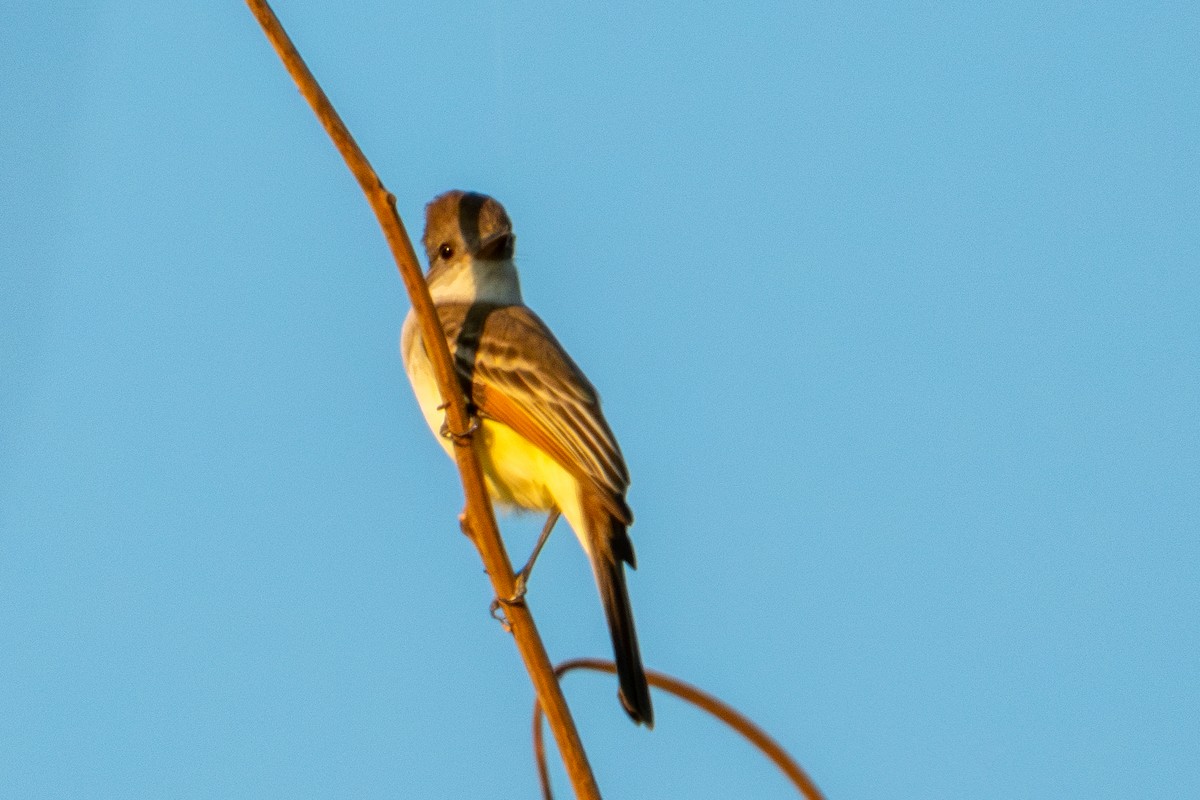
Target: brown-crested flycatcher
542,440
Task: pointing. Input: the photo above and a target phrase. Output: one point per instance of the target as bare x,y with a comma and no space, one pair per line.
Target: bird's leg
523,574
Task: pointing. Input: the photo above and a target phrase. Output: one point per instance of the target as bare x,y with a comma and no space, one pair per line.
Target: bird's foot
497,611
517,598
455,436
460,437
519,587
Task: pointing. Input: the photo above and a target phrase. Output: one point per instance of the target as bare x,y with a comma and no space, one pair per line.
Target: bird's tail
611,550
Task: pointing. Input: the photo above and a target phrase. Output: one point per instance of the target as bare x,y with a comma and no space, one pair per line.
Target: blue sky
893,308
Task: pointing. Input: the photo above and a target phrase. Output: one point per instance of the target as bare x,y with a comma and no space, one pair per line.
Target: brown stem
480,519
697,697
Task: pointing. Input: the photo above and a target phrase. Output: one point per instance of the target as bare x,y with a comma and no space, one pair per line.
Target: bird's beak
497,247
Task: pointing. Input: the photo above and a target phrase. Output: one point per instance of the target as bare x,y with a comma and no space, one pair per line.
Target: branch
479,521
697,697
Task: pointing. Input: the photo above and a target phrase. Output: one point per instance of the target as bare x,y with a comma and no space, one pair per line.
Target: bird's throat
472,281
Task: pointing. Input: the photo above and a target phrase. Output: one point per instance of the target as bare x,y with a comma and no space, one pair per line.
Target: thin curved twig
479,521
697,697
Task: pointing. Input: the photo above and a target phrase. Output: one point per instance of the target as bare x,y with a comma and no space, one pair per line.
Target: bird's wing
518,374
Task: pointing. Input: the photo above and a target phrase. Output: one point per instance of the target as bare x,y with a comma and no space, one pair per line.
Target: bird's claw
457,437
517,598
496,609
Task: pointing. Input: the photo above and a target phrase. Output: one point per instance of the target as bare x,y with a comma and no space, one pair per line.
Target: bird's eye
445,251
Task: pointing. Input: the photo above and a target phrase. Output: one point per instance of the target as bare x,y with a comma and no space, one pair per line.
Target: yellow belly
518,474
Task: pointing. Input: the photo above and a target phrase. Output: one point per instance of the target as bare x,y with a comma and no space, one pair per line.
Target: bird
543,442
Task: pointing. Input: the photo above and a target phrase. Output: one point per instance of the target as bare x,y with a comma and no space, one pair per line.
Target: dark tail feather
609,556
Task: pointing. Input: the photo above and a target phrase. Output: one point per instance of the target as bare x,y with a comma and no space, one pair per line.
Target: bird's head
467,225
470,244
